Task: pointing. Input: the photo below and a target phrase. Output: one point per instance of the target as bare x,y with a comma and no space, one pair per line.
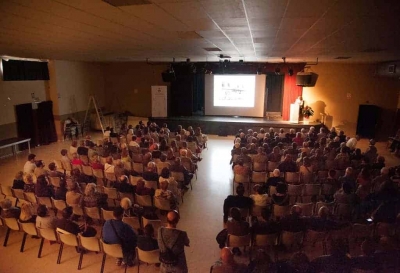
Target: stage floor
229,125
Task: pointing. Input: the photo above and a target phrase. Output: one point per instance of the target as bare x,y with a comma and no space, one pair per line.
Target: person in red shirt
76,160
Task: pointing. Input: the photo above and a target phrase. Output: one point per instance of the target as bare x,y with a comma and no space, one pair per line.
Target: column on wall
52,94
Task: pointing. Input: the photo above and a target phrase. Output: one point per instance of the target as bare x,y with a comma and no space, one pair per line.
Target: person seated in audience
26,215
265,224
352,142
163,145
76,160
305,148
260,198
125,156
298,139
156,153
287,165
7,209
123,185
82,150
113,232
53,171
345,195
235,151
152,144
280,198
129,209
147,157
185,159
379,164
239,201
79,177
141,189
44,219
39,170
237,226
371,153
73,149
274,179
364,184
66,224
96,164
227,263
73,197
337,261
18,183
367,260
61,192
134,142
109,167
387,255
170,154
333,182
332,133
322,222
261,134
252,149
306,170
30,165
164,193
292,150
318,159
172,183
147,242
244,157
335,144
178,167
380,180
150,174
356,155
119,169
298,263
342,160
42,188
293,222
241,169
349,179
93,198
342,136
65,161
29,186
322,133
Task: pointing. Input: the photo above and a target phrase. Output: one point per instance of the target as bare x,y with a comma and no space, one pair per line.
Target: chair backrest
29,228
256,210
327,189
259,167
362,231
55,181
107,214
316,236
87,170
98,173
344,211
238,178
330,206
292,177
67,166
44,201
12,223
93,213
238,241
385,229
18,193
151,184
138,167
112,193
150,257
6,190
280,211
58,164
77,166
144,200
312,189
48,234
134,222
90,243
134,179
77,210
307,209
322,175
126,195
67,238
155,223
30,197
113,250
295,190
178,176
289,239
343,233
128,165
258,177
263,240
111,177
162,165
272,166
162,204
59,204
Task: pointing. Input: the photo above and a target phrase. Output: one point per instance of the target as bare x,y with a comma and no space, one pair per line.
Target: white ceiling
253,30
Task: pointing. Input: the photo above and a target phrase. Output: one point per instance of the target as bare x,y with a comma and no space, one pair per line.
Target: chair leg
60,253
103,263
7,235
126,266
23,242
40,248
80,260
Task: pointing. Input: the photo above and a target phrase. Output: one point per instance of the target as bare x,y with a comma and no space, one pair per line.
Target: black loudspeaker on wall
168,77
368,119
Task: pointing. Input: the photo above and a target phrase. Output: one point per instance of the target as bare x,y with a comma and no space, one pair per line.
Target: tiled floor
201,215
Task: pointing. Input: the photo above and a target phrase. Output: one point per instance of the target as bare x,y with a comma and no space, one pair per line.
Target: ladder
99,113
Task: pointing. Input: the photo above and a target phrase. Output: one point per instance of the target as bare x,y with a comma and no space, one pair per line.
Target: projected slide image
234,90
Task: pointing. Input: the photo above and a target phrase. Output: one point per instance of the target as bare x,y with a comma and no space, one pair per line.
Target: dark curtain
273,93
37,124
14,70
181,99
198,94
45,123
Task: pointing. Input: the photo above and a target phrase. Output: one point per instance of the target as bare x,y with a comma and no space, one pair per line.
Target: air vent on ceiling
212,49
120,3
342,58
188,35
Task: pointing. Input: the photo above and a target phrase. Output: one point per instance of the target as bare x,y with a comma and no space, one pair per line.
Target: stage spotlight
277,71
240,61
290,71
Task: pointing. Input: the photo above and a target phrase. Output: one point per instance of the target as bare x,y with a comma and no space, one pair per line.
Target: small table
13,142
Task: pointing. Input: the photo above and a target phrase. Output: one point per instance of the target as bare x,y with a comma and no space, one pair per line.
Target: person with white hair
151,172
352,142
8,211
164,193
93,198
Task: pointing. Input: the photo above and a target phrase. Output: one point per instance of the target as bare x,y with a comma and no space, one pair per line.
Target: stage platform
228,125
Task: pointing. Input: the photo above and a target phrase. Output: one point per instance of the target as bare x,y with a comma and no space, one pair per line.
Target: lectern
294,113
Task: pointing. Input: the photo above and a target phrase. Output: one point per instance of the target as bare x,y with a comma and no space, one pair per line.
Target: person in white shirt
30,165
109,167
352,142
260,198
133,142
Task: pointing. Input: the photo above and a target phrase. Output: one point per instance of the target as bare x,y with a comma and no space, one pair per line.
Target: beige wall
341,88
128,86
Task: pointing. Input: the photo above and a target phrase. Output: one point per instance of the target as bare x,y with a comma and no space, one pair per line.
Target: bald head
295,210
323,212
173,218
226,255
